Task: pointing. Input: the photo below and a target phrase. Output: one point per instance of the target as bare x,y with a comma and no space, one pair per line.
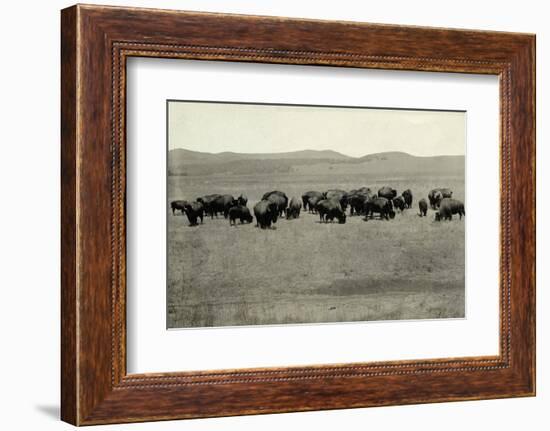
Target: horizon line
318,151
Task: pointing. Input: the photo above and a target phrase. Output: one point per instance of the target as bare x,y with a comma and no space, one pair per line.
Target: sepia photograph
304,214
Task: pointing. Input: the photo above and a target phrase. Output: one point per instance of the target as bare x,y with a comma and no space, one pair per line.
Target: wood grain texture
69,366
96,41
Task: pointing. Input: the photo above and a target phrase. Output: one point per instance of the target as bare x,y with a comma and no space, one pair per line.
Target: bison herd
329,205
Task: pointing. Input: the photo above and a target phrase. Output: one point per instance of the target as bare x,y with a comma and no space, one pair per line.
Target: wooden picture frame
95,43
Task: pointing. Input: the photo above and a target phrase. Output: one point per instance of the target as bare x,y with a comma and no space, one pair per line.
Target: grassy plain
304,271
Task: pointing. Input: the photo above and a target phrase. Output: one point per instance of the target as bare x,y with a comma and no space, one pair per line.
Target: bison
329,209
408,198
209,206
278,197
240,212
381,206
423,207
387,192
340,195
306,197
399,203
242,199
178,205
294,208
312,203
281,202
266,212
222,204
358,201
448,207
194,211
436,195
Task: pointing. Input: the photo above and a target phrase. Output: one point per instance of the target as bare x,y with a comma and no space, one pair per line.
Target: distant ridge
187,162
182,156
400,156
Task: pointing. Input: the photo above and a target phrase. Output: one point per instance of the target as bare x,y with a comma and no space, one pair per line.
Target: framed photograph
265,215
328,265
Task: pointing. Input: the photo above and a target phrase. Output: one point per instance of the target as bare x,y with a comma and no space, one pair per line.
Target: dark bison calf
178,205
266,212
294,208
448,207
194,211
239,212
423,207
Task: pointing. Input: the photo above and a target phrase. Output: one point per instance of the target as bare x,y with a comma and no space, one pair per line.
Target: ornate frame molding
96,41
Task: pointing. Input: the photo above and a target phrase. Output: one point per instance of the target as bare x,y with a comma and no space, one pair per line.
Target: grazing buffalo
312,203
280,198
381,206
194,211
222,204
178,205
307,196
294,208
387,192
436,195
281,202
448,207
266,212
408,197
240,212
358,201
423,207
329,209
209,206
364,190
340,195
399,203
242,199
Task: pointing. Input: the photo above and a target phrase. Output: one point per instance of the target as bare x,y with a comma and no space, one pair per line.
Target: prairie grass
303,271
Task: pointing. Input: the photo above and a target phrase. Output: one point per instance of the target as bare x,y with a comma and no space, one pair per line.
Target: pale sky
216,127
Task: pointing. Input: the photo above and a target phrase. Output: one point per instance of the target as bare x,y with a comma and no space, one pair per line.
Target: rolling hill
182,157
186,162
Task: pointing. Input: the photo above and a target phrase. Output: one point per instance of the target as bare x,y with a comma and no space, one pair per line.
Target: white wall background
29,215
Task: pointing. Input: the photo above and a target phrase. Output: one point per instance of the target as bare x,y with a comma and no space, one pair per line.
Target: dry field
303,271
